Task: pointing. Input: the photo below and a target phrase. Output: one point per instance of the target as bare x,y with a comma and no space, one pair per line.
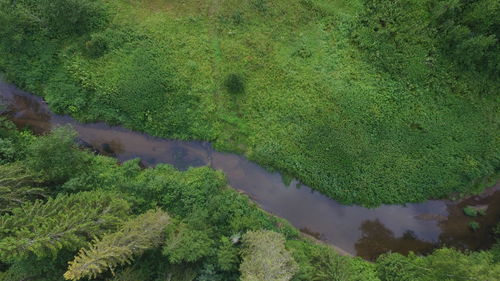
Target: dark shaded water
352,229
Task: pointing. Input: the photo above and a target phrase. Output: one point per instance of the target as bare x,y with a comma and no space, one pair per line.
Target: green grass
360,122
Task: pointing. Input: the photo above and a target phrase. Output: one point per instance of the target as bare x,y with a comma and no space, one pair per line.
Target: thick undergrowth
367,101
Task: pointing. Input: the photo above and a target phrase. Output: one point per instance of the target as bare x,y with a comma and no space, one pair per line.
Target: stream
353,230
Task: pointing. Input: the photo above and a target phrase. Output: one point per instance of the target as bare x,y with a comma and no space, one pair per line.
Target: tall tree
136,236
44,228
17,187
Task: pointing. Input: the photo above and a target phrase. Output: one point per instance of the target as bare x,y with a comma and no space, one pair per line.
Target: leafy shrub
318,262
235,84
237,18
474,225
260,5
112,38
395,267
7,151
143,90
470,211
303,52
72,17
55,156
96,46
185,244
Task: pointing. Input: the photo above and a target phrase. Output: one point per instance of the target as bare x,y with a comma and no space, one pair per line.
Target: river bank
356,230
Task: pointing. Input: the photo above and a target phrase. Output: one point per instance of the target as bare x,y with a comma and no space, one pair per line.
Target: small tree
55,157
265,257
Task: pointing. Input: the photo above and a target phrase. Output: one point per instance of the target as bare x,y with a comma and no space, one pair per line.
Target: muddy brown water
352,229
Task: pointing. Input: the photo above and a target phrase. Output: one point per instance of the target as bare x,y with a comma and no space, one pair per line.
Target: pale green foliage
44,228
266,258
136,236
442,264
16,187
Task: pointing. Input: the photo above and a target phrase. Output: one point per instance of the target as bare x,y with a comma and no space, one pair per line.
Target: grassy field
310,88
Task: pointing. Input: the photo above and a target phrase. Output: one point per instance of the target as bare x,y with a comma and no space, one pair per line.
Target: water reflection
353,229
377,239
31,113
455,231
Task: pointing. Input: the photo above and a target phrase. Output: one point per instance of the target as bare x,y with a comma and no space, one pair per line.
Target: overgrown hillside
368,101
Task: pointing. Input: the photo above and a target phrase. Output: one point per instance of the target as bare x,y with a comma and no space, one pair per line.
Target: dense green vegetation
367,101
98,220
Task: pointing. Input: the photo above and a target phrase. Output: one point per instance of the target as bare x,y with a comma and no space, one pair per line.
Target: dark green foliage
495,250
110,39
66,17
97,46
7,151
396,267
235,84
474,225
396,34
64,222
17,23
55,158
391,75
185,244
33,31
227,255
149,91
13,144
39,269
319,262
260,5
39,238
413,35
17,186
469,32
368,101
127,274
470,211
